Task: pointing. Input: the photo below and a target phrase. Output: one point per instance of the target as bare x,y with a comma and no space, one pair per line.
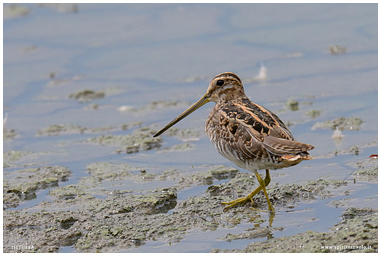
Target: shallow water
140,53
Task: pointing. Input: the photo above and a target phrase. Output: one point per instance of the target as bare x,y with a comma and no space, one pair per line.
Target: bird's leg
263,186
249,196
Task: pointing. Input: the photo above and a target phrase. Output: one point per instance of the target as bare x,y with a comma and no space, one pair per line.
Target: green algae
58,129
264,232
358,232
99,181
313,113
187,134
178,147
139,140
62,81
367,170
87,95
127,219
68,191
280,195
292,104
12,156
23,184
15,11
9,134
341,123
366,174
109,171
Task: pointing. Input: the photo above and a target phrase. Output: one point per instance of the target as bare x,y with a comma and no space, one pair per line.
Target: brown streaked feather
237,141
247,131
280,146
263,119
255,117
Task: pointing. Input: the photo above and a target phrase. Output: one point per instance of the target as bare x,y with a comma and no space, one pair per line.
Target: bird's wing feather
256,132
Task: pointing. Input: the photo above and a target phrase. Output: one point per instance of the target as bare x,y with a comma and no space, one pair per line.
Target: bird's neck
231,96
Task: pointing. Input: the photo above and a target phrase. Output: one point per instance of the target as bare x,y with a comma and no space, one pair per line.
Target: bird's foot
239,201
271,208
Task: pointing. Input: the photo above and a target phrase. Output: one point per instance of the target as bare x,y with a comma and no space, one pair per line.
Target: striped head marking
224,87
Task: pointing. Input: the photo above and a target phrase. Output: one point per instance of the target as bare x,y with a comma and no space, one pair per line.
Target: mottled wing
264,118
253,132
233,140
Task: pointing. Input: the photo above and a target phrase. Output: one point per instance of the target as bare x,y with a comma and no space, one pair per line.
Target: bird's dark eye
220,82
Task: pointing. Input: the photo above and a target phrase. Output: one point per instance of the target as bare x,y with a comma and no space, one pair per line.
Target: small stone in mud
354,150
337,49
87,95
14,11
292,104
313,113
9,134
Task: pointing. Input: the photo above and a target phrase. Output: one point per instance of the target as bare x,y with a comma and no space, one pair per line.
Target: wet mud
94,218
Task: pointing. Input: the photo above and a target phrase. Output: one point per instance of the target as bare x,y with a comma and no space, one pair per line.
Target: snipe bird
249,135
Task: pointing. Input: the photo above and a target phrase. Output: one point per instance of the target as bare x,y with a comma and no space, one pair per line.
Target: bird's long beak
201,102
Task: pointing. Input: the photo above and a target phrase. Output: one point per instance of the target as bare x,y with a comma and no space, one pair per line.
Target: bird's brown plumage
246,133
